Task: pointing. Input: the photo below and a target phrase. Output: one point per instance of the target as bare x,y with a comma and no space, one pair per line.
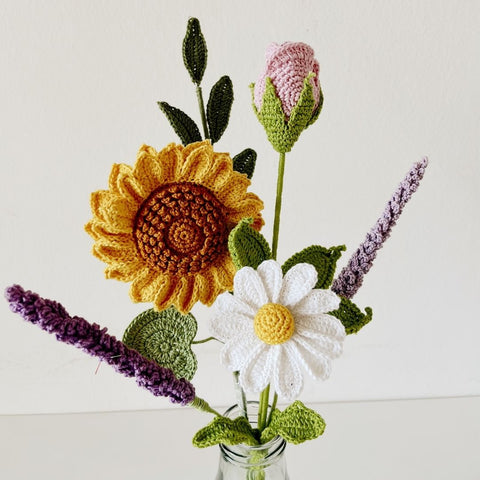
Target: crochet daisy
164,224
275,326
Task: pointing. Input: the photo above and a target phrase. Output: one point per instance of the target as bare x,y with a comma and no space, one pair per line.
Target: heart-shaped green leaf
227,431
352,318
247,246
165,337
323,259
296,424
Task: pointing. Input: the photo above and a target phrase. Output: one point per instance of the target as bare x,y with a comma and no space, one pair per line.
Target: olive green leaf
247,246
352,318
323,259
244,162
227,431
218,107
165,338
194,51
296,424
183,125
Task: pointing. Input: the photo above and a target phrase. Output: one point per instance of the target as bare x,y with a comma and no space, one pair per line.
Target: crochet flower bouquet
182,227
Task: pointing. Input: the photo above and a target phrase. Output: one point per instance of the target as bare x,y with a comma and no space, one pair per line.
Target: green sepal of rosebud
283,133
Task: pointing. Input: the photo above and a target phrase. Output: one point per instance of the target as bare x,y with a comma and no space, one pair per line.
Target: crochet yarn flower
276,326
164,224
287,97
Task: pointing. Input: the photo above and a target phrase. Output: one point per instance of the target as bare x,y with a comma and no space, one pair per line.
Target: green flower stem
264,396
278,204
263,408
205,340
274,405
201,106
203,406
241,397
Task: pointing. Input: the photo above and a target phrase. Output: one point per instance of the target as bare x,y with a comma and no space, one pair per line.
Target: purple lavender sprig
52,317
351,277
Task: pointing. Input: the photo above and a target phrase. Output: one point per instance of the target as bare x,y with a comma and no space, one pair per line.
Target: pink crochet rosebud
288,65
287,98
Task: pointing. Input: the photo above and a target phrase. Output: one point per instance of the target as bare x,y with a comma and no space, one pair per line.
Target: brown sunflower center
181,228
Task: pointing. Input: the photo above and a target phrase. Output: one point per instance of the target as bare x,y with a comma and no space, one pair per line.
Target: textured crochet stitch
164,224
52,317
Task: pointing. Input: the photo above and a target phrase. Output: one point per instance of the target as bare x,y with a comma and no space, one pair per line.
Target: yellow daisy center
181,228
274,324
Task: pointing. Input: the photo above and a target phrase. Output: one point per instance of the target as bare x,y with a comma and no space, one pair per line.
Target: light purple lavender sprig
351,277
52,317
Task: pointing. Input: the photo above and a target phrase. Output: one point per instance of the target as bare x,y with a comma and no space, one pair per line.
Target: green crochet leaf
227,431
165,337
323,259
301,114
352,318
183,125
245,161
247,246
194,51
218,108
317,111
296,424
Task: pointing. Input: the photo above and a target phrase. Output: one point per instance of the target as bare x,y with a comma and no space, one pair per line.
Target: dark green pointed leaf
194,51
218,108
247,247
245,161
227,431
323,259
183,125
352,318
296,424
165,338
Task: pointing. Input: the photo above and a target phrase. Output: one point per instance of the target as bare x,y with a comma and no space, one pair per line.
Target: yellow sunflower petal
123,182
219,173
146,285
208,289
115,253
197,164
166,292
233,190
224,273
117,212
99,231
249,206
187,294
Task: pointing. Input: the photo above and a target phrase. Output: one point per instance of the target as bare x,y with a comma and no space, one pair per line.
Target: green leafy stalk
201,107
278,204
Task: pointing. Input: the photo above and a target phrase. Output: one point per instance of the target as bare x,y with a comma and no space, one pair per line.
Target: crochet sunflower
164,224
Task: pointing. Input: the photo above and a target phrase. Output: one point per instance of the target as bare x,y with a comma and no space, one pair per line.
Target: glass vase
242,462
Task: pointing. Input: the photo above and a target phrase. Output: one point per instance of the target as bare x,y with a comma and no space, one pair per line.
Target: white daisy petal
297,283
271,275
227,304
248,287
287,376
257,370
321,345
225,327
317,365
319,325
317,301
237,350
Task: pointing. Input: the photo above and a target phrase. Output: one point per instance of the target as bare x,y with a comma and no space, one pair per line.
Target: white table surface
437,439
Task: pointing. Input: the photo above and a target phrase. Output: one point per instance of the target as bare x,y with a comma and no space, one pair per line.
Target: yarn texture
52,317
164,224
351,277
272,353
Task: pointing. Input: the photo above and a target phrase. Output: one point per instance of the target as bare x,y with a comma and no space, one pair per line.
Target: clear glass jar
242,462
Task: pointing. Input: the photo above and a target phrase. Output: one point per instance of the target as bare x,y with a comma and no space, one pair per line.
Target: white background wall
78,89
